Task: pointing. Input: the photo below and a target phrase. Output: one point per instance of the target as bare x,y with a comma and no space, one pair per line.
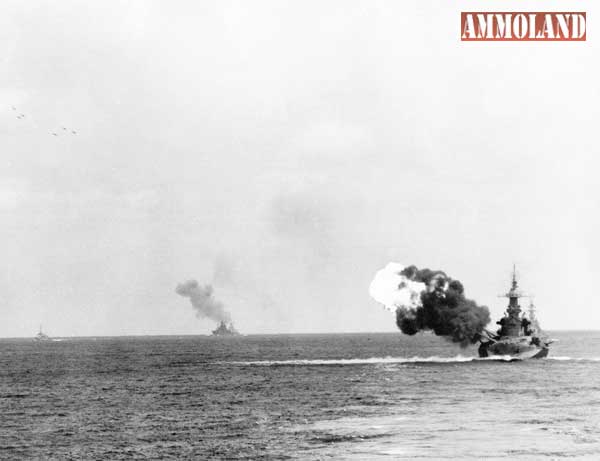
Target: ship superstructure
512,323
535,326
225,330
41,336
519,337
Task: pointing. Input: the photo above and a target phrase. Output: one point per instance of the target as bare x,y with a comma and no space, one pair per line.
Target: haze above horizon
284,156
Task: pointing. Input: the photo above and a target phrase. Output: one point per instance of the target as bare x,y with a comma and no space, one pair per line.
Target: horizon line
257,334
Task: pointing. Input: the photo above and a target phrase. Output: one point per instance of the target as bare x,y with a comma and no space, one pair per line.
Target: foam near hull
521,348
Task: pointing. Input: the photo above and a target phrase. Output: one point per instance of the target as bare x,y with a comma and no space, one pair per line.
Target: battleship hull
226,334
519,348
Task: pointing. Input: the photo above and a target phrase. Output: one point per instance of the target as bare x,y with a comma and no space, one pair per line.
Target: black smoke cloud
203,301
445,310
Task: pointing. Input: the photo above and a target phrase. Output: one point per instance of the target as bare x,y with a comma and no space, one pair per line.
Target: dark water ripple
294,397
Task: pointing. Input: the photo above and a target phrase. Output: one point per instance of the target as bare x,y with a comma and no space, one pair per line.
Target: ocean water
350,396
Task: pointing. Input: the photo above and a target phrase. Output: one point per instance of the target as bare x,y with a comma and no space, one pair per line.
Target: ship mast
511,323
513,295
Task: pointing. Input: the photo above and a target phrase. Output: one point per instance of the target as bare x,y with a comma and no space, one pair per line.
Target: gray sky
286,151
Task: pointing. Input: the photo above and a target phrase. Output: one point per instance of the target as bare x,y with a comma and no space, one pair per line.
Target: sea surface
314,397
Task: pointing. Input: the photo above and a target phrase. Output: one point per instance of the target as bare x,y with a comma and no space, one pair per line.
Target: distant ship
41,336
519,335
225,330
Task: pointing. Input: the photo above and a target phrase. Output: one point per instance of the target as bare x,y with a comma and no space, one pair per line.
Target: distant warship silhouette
225,330
519,335
41,336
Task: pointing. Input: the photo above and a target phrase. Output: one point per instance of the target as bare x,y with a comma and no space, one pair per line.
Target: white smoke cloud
394,290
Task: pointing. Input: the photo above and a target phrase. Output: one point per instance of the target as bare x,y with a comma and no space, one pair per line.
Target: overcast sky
286,151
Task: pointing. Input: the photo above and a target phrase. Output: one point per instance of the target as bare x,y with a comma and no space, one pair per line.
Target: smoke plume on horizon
203,301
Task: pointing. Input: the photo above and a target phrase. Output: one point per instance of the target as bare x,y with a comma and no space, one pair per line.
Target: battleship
41,336
225,330
519,336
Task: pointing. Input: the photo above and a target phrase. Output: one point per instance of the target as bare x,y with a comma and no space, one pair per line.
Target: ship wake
574,359
363,361
392,360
